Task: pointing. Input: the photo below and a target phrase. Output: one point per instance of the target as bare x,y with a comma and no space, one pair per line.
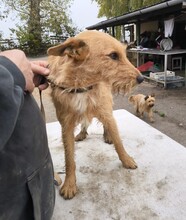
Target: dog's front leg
137,110
106,136
110,125
69,189
150,114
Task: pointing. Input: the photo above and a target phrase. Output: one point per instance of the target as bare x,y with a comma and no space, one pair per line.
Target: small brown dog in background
84,71
143,104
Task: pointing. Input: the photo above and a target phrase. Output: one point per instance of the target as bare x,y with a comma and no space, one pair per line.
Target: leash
42,81
57,178
41,105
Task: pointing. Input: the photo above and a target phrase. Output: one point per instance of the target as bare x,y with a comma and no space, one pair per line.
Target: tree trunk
34,25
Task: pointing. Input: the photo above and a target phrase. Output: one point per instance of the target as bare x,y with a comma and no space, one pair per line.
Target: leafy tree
133,4
112,8
39,19
137,4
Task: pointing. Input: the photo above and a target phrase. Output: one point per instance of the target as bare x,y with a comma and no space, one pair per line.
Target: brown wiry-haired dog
83,72
143,104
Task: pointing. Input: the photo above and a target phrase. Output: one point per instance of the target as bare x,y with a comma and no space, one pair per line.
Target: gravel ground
169,109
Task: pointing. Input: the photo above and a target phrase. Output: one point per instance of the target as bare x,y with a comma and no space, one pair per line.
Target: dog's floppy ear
74,48
146,97
153,95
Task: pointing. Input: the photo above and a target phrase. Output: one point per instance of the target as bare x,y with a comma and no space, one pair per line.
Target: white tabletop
106,190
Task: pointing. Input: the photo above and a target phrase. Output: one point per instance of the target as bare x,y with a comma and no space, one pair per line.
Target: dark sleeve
12,84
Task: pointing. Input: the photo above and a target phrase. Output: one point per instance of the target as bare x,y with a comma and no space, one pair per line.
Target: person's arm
12,85
17,76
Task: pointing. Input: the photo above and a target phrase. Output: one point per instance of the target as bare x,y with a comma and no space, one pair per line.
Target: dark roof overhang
157,11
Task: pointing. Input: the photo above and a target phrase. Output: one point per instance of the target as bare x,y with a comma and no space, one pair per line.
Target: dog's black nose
140,79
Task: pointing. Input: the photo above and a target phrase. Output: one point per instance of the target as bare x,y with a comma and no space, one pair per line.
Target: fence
14,43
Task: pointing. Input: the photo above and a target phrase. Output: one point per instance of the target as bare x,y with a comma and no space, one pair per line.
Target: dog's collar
71,90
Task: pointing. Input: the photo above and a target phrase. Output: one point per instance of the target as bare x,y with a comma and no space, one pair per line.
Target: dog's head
90,58
150,100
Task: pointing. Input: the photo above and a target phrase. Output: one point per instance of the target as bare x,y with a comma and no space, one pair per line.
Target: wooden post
138,33
113,31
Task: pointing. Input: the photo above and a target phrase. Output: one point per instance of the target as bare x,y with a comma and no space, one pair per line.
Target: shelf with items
164,74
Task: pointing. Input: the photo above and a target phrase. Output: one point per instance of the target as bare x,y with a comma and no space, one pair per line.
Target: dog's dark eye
114,56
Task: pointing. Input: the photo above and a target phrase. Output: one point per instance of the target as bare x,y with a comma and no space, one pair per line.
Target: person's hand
19,59
40,71
34,72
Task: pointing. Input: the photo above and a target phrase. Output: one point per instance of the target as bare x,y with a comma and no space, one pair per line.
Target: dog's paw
68,191
108,140
129,163
81,136
152,120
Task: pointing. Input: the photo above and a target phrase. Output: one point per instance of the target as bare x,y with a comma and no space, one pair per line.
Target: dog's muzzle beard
122,88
